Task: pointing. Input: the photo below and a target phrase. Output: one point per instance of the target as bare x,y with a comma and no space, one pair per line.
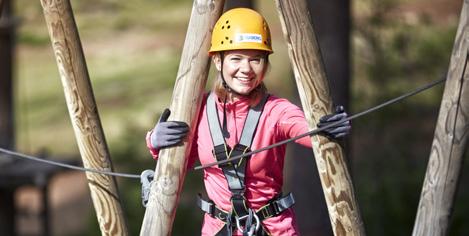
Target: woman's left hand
339,130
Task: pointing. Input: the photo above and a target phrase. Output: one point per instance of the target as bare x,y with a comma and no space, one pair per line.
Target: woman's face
243,70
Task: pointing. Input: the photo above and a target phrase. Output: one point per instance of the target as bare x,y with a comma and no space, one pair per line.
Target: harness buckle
241,148
221,216
275,207
222,152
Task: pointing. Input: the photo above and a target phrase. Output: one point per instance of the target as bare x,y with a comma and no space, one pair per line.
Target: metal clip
250,229
146,178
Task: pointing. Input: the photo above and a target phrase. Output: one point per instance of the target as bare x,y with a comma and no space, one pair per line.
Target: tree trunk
449,142
185,105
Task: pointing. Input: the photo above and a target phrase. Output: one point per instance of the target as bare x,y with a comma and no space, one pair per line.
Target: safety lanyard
234,171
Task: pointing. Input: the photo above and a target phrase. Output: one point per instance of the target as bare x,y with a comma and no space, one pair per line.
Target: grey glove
339,130
168,133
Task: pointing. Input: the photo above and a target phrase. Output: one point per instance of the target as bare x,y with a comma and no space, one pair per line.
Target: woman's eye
256,60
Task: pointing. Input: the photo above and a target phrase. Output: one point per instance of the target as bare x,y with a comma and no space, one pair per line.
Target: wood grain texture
185,105
316,101
84,114
449,142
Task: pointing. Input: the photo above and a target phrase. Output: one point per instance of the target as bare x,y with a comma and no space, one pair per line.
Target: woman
238,116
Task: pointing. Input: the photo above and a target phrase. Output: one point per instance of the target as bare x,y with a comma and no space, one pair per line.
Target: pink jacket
280,120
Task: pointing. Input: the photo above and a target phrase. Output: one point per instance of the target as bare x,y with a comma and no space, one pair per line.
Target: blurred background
373,50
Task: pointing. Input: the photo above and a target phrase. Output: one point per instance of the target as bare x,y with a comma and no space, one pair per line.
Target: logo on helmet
248,38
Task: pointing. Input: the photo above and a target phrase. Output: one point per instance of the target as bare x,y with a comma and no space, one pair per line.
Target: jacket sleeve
153,151
292,123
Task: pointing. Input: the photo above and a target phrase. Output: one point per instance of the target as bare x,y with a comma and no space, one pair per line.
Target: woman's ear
217,61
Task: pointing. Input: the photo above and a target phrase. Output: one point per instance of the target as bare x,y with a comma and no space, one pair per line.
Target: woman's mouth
244,80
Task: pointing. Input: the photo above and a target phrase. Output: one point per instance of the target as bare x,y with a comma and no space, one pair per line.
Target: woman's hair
254,96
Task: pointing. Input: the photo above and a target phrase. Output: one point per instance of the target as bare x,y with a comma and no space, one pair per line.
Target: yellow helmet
241,28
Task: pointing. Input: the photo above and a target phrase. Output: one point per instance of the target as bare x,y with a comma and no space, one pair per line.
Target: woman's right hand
168,133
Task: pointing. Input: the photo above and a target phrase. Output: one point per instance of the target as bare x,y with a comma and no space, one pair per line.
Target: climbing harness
241,217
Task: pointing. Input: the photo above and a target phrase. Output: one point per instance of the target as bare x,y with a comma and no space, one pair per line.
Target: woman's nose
245,66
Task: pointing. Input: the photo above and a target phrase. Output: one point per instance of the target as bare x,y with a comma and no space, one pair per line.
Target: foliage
391,147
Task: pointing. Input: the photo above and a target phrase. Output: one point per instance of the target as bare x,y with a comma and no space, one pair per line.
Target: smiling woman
237,116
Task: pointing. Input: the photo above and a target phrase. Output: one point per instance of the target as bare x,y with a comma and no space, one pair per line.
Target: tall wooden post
316,100
185,105
332,28
84,114
449,142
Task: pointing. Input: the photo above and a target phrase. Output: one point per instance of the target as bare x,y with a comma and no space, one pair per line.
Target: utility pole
7,137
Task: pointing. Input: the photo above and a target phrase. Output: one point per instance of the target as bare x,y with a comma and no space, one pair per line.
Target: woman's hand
168,133
339,130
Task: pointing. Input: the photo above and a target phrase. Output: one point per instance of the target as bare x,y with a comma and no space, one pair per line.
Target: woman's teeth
244,79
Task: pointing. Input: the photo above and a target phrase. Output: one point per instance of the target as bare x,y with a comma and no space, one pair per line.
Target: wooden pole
449,142
316,100
185,105
84,114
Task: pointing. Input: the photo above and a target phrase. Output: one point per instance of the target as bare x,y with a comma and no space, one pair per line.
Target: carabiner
146,178
252,229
